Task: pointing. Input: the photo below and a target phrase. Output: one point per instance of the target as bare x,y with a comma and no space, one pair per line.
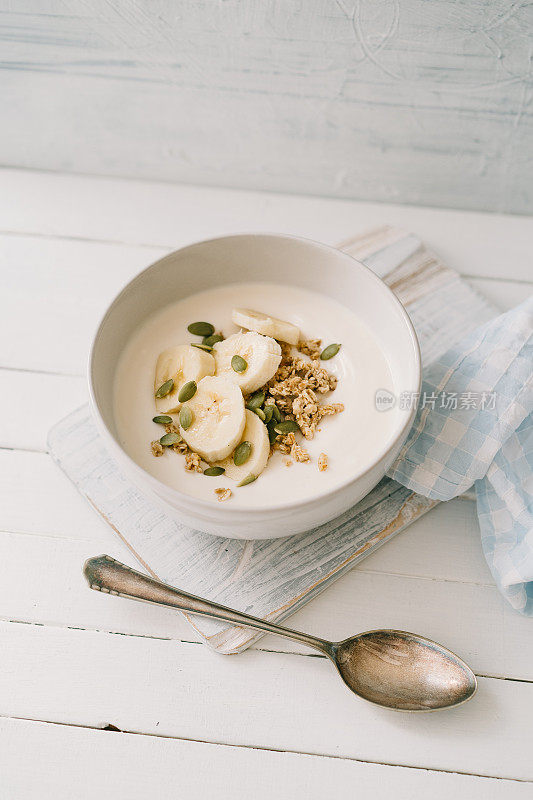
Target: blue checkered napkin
505,511
474,425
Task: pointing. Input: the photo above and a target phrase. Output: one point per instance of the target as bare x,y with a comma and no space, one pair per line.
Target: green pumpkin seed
202,347
165,388
268,411
272,435
211,340
330,351
287,426
201,328
162,419
260,413
238,364
276,413
256,401
185,418
249,479
187,391
242,453
169,439
214,471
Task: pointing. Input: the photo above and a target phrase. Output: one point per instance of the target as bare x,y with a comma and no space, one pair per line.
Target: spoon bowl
403,671
389,668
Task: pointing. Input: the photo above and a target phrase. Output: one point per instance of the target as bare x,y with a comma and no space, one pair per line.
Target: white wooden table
273,721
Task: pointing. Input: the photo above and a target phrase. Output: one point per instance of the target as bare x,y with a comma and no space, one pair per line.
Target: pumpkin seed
187,391
242,453
272,435
201,328
202,347
260,413
249,479
185,418
268,411
330,351
256,401
276,413
214,471
211,340
165,388
162,419
238,364
170,438
287,426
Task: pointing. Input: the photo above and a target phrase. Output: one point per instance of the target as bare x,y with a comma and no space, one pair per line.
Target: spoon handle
105,574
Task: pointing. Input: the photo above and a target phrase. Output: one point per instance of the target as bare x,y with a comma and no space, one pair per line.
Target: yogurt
352,439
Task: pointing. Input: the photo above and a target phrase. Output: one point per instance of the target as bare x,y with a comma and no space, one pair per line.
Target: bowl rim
221,509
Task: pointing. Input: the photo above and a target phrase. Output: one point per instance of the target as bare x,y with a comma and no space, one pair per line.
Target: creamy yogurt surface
352,440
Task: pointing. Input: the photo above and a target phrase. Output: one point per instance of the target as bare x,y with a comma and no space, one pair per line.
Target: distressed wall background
415,101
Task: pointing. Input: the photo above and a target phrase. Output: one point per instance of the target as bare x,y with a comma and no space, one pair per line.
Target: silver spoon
394,669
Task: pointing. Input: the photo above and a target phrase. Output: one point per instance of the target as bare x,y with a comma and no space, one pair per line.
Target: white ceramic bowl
238,259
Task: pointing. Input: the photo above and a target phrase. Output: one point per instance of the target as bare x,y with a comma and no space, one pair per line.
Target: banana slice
256,433
268,326
217,419
182,363
261,354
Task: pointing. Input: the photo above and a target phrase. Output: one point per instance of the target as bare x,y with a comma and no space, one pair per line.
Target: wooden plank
56,396
31,483
77,280
504,294
67,760
55,566
169,216
270,700
493,638
325,98
92,42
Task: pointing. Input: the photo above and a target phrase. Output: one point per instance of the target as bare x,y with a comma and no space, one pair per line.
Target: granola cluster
287,444
295,389
193,462
310,347
322,462
157,448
